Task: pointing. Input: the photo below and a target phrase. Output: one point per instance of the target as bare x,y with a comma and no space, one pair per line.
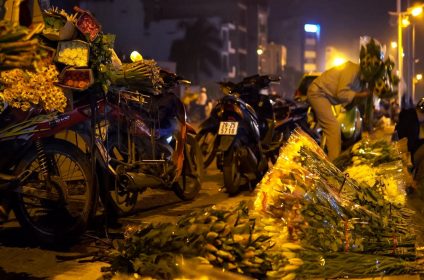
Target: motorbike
350,119
241,132
47,181
147,143
350,124
53,182
277,117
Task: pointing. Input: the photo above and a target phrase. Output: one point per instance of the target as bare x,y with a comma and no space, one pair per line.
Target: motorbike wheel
206,140
56,211
232,179
189,183
115,196
347,143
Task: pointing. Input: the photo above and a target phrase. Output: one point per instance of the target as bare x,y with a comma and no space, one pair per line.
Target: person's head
419,108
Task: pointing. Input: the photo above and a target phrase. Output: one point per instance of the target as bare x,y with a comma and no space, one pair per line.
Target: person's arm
362,94
348,85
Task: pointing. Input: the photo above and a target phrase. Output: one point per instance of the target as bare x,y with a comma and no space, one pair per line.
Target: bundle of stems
17,49
334,265
143,75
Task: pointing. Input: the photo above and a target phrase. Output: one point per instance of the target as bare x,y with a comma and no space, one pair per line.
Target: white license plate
228,128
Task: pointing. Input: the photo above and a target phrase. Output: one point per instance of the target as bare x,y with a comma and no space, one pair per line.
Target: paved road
21,259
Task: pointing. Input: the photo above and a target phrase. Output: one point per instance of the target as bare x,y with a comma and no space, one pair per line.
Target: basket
76,78
134,97
87,24
73,53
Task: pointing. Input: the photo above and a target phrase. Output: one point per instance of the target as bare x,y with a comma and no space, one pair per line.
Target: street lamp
338,61
415,12
393,44
403,21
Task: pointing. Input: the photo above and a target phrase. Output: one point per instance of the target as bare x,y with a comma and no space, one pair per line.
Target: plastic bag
323,207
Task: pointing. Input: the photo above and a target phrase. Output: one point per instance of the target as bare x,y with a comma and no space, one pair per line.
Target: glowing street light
416,11
260,51
393,44
418,78
405,22
339,61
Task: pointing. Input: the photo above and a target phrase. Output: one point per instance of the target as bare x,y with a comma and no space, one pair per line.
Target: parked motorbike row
248,126
111,147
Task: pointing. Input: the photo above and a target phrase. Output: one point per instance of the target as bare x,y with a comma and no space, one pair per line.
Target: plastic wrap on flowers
373,153
380,164
326,209
387,177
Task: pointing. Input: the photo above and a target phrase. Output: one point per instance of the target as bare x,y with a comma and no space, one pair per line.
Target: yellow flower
24,89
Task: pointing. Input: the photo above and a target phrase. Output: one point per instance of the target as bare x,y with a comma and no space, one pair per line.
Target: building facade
302,40
272,59
310,47
243,28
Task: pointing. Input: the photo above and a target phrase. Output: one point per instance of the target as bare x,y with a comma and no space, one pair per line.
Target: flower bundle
17,47
143,75
23,89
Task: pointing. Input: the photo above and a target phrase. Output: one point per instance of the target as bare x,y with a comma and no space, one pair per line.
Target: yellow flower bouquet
24,89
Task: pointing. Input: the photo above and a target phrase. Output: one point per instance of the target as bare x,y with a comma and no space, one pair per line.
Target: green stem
369,112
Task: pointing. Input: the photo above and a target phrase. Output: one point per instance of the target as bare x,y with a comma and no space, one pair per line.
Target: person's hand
362,94
359,98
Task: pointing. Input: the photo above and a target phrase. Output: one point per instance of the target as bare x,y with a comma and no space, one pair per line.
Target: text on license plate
228,128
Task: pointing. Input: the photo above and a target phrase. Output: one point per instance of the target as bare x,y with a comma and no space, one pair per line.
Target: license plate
228,128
